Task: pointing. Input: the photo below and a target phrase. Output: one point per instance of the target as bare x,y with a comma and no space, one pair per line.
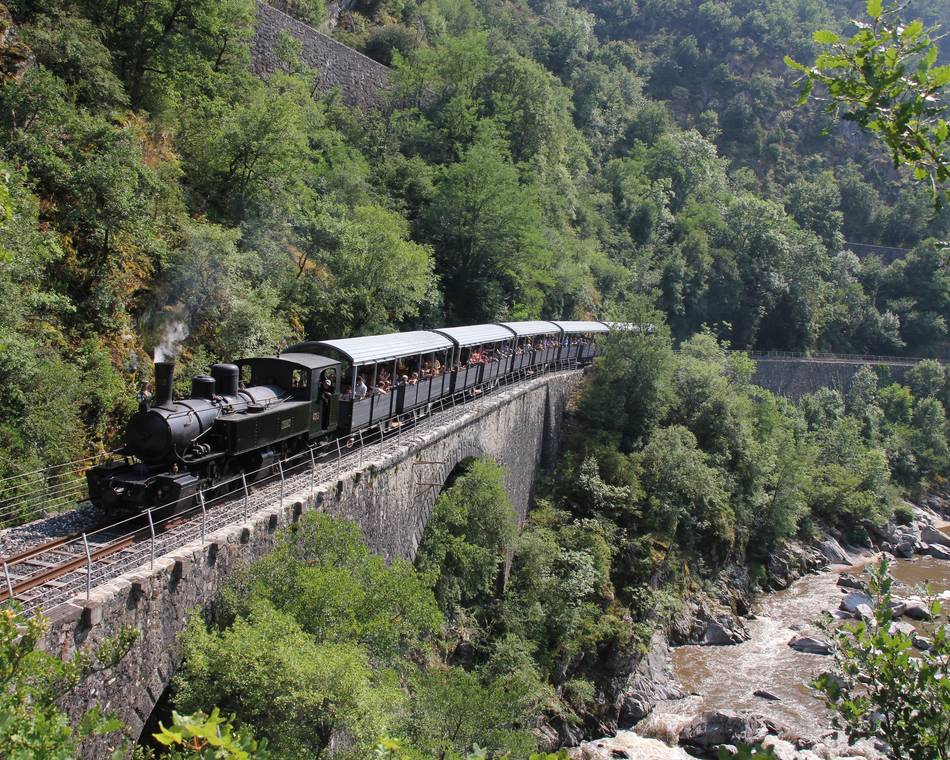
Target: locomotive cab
314,380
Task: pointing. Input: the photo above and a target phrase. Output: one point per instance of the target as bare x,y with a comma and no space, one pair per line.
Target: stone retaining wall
390,497
360,80
797,377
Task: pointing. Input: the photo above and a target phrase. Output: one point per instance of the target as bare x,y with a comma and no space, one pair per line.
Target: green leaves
825,37
939,75
31,682
209,737
880,689
868,83
793,64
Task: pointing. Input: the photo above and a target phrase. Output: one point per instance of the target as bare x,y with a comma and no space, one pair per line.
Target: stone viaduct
390,496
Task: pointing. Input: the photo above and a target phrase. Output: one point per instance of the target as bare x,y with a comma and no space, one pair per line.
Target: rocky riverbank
740,664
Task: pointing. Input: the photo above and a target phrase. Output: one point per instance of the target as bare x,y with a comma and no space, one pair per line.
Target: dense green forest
540,159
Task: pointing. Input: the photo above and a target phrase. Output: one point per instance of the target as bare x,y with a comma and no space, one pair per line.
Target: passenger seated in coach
436,367
414,378
346,393
404,379
360,391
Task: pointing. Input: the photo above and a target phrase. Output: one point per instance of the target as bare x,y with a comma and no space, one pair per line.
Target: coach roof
582,326
371,349
526,329
476,335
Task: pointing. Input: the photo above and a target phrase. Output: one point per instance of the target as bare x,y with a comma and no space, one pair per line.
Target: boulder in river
916,610
846,580
904,550
937,551
626,744
833,552
714,727
763,694
933,535
810,644
724,632
852,601
864,612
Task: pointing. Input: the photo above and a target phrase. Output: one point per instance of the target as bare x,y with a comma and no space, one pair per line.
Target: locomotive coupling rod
85,543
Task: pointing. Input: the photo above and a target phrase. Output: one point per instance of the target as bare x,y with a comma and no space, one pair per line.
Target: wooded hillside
563,160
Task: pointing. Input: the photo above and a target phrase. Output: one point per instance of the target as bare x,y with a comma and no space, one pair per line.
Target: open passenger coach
244,416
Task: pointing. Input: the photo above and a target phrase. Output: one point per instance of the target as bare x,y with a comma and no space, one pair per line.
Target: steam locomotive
244,416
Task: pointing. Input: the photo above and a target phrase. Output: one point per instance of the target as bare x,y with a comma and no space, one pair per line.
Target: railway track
62,563
49,564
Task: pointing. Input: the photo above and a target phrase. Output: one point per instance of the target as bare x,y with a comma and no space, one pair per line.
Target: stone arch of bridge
431,478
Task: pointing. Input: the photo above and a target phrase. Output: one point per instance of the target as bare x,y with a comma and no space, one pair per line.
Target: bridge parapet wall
390,497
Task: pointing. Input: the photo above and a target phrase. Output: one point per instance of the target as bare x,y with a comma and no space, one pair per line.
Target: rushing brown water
726,677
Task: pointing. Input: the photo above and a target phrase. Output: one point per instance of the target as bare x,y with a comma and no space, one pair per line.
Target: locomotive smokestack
164,383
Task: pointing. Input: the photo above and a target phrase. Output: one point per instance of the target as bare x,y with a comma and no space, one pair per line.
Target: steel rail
68,566
34,551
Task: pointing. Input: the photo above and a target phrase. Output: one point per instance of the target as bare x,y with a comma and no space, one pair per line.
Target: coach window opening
328,381
245,375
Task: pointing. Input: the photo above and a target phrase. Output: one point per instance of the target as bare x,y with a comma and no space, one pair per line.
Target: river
725,677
